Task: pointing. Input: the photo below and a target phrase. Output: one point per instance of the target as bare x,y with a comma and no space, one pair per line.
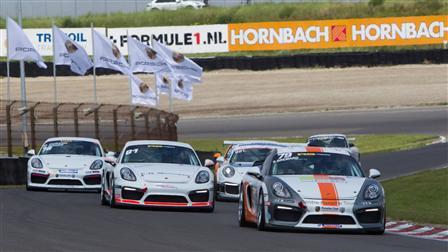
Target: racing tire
112,194
261,221
241,211
104,201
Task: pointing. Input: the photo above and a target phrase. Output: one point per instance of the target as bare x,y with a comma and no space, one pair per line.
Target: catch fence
113,125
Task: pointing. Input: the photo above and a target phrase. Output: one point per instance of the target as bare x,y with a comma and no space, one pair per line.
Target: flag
179,64
182,89
107,55
143,58
19,46
68,52
142,93
163,82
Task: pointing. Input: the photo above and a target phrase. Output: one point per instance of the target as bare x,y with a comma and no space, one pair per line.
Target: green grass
422,198
247,13
366,143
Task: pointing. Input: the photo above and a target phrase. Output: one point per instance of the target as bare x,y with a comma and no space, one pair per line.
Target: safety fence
27,126
260,63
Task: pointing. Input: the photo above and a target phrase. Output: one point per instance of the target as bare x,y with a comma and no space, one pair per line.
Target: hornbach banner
392,31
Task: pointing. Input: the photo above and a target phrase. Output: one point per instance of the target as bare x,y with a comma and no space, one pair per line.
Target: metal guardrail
113,125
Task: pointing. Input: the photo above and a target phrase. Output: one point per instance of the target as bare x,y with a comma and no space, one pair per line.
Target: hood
67,161
165,173
324,187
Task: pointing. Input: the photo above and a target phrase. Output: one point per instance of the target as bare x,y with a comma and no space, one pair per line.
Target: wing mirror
351,145
31,152
256,174
110,154
258,163
209,163
220,159
111,160
374,173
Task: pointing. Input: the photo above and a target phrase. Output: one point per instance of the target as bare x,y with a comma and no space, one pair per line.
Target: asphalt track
54,221
424,120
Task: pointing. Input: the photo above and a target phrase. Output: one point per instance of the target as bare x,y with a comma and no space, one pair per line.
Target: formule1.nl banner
395,31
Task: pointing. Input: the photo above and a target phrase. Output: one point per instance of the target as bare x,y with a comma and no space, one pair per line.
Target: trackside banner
316,34
338,33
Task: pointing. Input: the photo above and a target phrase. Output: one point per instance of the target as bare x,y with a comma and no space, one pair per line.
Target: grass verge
422,198
366,143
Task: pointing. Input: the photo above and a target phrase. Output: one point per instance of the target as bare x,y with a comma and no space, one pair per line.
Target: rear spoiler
351,139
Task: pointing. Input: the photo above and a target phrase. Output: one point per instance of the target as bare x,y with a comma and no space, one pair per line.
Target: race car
158,174
67,163
335,141
312,188
241,159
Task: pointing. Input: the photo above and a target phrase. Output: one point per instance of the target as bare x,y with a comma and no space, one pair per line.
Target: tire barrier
13,171
260,63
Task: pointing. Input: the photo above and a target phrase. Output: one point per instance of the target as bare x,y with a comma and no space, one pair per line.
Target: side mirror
110,154
258,163
209,163
111,160
351,145
374,173
31,152
255,174
220,159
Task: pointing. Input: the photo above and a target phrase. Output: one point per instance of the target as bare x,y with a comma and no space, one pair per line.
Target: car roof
172,143
247,142
311,149
327,135
86,139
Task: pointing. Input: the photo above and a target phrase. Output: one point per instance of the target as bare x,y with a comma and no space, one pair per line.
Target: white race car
242,157
158,174
67,163
335,141
312,188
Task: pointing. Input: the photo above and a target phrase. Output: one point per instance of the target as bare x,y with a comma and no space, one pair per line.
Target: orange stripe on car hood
313,149
328,191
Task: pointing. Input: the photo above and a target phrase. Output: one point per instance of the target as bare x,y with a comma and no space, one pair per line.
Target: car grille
232,189
199,197
133,195
64,182
368,217
92,179
166,198
287,215
38,178
328,219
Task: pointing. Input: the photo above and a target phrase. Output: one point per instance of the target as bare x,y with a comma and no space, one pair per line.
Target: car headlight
372,192
127,174
280,191
228,171
96,165
36,163
202,177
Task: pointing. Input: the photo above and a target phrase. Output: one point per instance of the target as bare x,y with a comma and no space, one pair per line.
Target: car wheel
112,194
104,201
241,211
260,216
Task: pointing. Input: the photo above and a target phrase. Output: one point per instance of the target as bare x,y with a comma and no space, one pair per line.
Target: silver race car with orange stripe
158,174
312,188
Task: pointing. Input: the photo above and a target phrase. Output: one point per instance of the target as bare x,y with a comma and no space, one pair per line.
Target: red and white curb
418,231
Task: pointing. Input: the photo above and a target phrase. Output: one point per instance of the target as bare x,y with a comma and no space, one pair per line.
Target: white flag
179,64
142,93
107,55
68,52
163,82
143,58
182,89
19,46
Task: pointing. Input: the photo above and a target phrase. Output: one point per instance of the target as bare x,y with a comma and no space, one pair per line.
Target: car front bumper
55,179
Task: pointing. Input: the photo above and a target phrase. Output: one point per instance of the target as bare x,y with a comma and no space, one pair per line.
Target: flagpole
8,80
129,78
156,90
55,90
23,91
94,65
170,109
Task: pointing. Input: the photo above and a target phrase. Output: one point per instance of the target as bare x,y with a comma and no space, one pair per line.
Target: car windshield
151,153
306,163
328,141
249,154
71,147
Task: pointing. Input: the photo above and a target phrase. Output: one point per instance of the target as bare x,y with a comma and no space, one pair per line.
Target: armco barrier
13,171
259,63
